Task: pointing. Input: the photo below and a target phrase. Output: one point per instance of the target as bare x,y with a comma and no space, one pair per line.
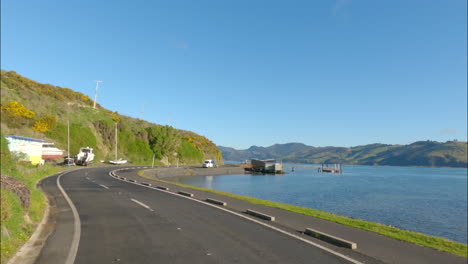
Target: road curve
127,223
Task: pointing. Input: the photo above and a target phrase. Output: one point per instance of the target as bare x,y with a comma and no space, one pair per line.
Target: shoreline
163,175
174,174
376,165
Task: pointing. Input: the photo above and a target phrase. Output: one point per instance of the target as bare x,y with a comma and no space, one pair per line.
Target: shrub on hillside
18,109
44,123
6,159
16,115
163,140
115,116
15,81
203,144
188,152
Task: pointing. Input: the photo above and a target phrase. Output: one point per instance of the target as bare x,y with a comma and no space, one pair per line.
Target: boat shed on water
266,166
30,149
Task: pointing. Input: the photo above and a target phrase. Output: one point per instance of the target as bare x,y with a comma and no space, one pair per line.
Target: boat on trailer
85,156
118,162
50,152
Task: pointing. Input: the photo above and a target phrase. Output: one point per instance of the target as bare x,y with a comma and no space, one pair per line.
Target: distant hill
37,110
421,153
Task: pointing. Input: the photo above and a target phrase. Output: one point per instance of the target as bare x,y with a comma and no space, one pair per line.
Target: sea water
432,201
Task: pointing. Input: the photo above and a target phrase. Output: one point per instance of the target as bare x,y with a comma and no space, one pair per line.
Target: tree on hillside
163,140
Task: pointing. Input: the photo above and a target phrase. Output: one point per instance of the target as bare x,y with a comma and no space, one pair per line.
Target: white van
208,164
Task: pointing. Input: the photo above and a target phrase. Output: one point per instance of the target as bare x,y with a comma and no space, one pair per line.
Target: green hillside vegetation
32,109
421,153
42,111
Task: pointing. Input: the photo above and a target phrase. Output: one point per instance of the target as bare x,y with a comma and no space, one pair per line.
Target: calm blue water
432,201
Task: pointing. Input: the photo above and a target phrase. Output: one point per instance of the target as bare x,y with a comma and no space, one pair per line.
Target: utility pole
116,141
95,94
68,137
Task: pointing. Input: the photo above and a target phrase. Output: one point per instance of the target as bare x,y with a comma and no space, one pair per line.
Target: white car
208,164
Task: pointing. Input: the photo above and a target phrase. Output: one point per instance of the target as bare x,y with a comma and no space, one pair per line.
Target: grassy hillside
42,111
421,153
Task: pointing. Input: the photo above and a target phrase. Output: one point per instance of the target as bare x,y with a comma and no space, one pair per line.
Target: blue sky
257,72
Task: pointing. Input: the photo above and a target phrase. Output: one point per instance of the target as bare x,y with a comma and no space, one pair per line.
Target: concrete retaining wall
174,173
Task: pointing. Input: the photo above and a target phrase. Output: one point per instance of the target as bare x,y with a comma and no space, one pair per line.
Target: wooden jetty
337,168
270,166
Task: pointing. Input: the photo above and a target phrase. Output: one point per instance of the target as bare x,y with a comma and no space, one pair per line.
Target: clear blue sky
256,72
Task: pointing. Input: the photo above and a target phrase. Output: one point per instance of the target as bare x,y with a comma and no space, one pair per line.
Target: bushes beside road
19,219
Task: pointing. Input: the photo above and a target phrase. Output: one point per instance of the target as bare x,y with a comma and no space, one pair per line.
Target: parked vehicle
85,157
68,161
208,164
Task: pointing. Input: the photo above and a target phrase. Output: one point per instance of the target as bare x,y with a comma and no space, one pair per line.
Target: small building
266,166
30,149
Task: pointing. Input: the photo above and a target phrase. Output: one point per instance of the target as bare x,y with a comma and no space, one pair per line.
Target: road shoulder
371,244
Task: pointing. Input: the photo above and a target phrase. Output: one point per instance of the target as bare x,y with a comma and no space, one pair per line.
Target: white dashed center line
103,186
142,204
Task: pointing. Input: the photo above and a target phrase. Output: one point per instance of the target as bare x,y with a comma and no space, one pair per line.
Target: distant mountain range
421,153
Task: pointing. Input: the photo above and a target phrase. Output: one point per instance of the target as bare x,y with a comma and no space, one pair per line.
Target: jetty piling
337,168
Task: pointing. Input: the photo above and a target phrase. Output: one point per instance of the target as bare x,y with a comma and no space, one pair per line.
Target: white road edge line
103,186
77,226
142,204
256,221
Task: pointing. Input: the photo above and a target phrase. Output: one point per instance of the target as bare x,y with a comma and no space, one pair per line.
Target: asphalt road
122,222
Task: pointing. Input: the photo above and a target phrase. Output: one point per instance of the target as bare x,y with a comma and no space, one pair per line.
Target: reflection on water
209,182
427,200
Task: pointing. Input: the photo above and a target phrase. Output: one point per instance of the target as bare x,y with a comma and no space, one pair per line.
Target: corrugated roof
26,138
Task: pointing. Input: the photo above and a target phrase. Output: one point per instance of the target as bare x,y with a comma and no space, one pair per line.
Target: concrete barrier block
186,194
330,239
132,180
260,215
147,184
162,188
216,202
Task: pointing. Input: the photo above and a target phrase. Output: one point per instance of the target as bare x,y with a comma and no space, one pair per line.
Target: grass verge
17,225
15,230
438,243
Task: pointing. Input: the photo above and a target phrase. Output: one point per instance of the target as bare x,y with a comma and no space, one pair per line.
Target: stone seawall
175,173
